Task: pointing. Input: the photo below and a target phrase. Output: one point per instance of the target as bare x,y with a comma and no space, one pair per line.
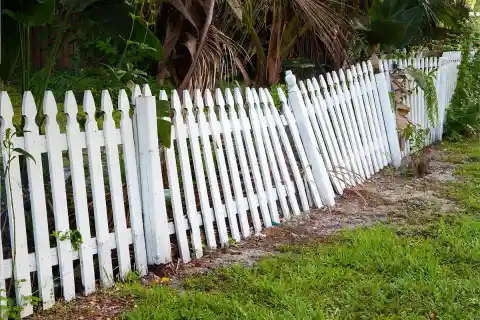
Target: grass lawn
430,271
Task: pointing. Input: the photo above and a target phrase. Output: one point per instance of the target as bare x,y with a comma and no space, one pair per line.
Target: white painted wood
373,109
319,171
261,153
370,116
355,172
232,163
347,170
75,155
279,156
351,126
368,71
306,169
187,181
242,158
98,192
152,191
176,199
358,119
253,161
287,146
389,120
323,117
202,189
133,187
37,200
273,160
59,196
222,167
16,213
320,139
116,185
218,209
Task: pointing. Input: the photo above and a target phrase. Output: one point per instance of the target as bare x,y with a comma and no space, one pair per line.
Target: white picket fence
237,164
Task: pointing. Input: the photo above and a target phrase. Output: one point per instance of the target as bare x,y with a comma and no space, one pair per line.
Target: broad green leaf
164,128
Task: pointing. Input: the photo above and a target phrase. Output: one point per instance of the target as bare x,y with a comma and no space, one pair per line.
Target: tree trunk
274,61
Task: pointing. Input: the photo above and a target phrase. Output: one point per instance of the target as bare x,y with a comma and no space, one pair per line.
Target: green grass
374,273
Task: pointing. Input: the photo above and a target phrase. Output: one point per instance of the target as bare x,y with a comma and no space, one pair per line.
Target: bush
463,115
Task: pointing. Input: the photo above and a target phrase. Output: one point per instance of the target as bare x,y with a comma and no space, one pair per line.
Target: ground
418,259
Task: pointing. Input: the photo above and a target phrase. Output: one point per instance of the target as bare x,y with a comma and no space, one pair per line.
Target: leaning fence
87,203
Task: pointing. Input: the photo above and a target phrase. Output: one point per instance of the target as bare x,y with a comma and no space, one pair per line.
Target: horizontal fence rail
239,162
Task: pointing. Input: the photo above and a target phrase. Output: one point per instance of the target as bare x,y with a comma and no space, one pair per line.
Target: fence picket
16,215
261,156
174,186
242,158
368,71
323,117
350,125
272,161
202,189
187,182
116,185
232,164
75,156
210,167
291,159
133,187
37,200
222,167
252,157
280,156
98,192
305,165
59,196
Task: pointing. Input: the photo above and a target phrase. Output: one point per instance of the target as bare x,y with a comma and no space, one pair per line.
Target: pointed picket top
359,70
187,101
341,75
350,77
29,111
336,81
238,97
176,104
370,67
354,73
50,110
146,90
263,97
198,101
282,98
89,105
316,87
329,79
256,98
6,111
323,84
229,99
365,69
311,87
106,104
249,97
163,96
209,103
380,66
136,92
303,91
123,103
219,99
70,107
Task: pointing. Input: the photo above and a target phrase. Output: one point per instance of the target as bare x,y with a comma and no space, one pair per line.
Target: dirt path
389,196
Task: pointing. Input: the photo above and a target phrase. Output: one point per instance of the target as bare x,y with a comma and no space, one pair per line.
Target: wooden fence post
305,130
153,196
389,119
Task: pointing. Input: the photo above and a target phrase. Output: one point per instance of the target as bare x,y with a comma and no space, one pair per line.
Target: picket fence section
237,164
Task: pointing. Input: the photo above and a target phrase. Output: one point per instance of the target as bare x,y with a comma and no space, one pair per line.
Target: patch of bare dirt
389,196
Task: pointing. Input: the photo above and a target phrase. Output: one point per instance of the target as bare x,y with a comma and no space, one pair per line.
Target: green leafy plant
74,236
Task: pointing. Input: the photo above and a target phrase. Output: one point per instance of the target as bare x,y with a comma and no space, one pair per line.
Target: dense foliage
463,115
